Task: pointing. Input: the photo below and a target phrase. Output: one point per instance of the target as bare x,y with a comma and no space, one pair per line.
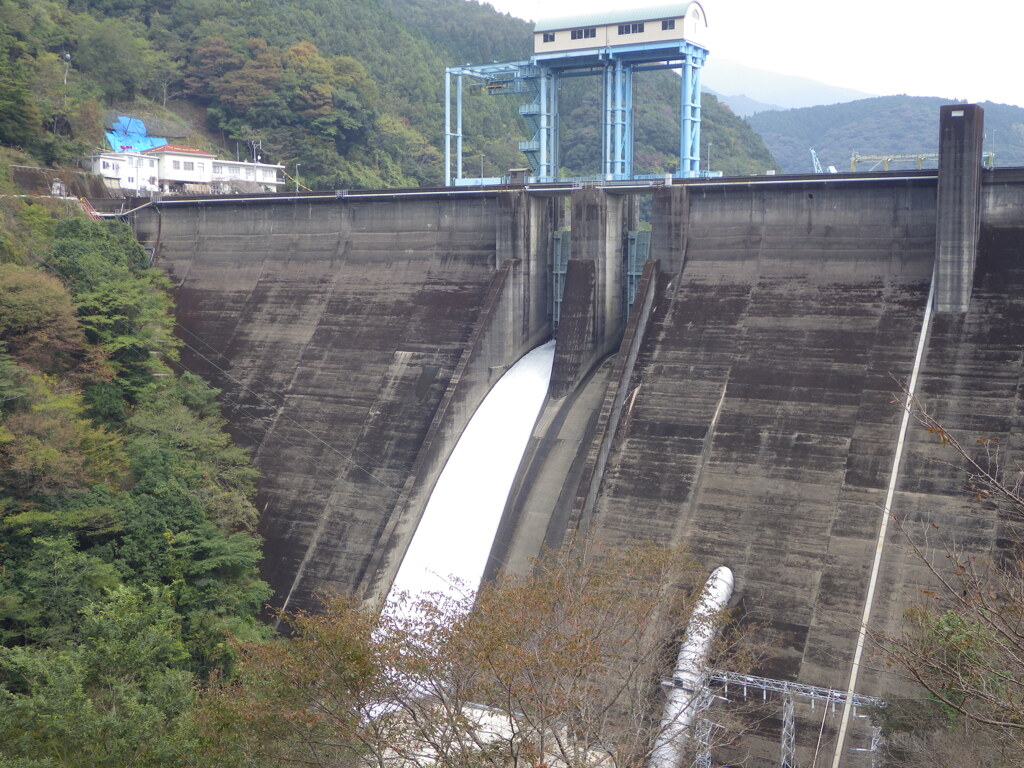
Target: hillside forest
129,559
887,125
353,91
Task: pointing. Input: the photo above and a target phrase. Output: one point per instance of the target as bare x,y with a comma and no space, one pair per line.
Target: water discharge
449,550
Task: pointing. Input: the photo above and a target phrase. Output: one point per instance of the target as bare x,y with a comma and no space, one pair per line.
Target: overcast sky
970,50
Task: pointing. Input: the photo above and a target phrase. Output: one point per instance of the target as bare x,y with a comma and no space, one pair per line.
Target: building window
631,29
668,24
199,167
582,34
176,165
189,166
218,168
152,163
549,37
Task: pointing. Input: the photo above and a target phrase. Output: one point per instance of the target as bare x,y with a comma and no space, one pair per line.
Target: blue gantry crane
612,45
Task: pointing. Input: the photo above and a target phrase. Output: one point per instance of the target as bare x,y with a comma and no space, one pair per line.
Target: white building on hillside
126,171
175,169
183,169
235,174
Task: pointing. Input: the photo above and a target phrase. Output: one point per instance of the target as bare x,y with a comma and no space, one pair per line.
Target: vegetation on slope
729,144
736,149
126,527
558,667
884,125
353,91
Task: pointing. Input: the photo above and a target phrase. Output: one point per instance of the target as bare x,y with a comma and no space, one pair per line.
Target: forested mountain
749,89
884,125
743,105
352,90
129,562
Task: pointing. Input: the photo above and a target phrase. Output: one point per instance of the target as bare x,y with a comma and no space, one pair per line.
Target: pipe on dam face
894,473
449,550
691,665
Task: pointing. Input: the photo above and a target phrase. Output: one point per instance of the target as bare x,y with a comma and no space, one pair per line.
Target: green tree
123,307
15,389
42,599
19,116
179,435
165,79
51,448
115,698
115,53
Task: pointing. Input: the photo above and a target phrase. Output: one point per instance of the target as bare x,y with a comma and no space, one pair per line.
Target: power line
46,264
301,427
311,459
248,389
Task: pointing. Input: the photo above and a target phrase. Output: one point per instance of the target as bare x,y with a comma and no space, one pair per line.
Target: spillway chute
449,550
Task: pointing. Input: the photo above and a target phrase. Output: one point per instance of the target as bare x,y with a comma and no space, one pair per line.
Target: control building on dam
734,391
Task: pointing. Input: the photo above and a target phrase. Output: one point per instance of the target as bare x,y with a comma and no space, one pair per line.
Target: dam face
759,428
338,333
744,407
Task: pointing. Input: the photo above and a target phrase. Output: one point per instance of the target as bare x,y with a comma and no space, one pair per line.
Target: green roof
602,18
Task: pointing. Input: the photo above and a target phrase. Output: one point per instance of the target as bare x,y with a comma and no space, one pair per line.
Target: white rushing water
449,550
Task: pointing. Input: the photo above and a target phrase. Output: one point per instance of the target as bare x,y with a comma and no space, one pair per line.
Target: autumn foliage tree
562,667
37,320
299,103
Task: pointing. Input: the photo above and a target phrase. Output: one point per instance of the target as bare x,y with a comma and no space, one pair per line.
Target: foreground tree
562,667
964,642
128,558
113,697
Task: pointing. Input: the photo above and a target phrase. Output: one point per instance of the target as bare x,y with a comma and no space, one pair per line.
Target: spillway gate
636,250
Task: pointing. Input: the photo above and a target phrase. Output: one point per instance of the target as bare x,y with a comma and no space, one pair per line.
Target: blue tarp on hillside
129,135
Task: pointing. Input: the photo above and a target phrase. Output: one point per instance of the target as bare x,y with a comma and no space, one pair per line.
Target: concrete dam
743,405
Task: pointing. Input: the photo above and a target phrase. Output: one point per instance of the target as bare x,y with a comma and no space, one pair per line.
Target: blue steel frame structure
539,77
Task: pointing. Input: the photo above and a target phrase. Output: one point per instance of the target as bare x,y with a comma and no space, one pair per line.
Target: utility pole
297,177
64,102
